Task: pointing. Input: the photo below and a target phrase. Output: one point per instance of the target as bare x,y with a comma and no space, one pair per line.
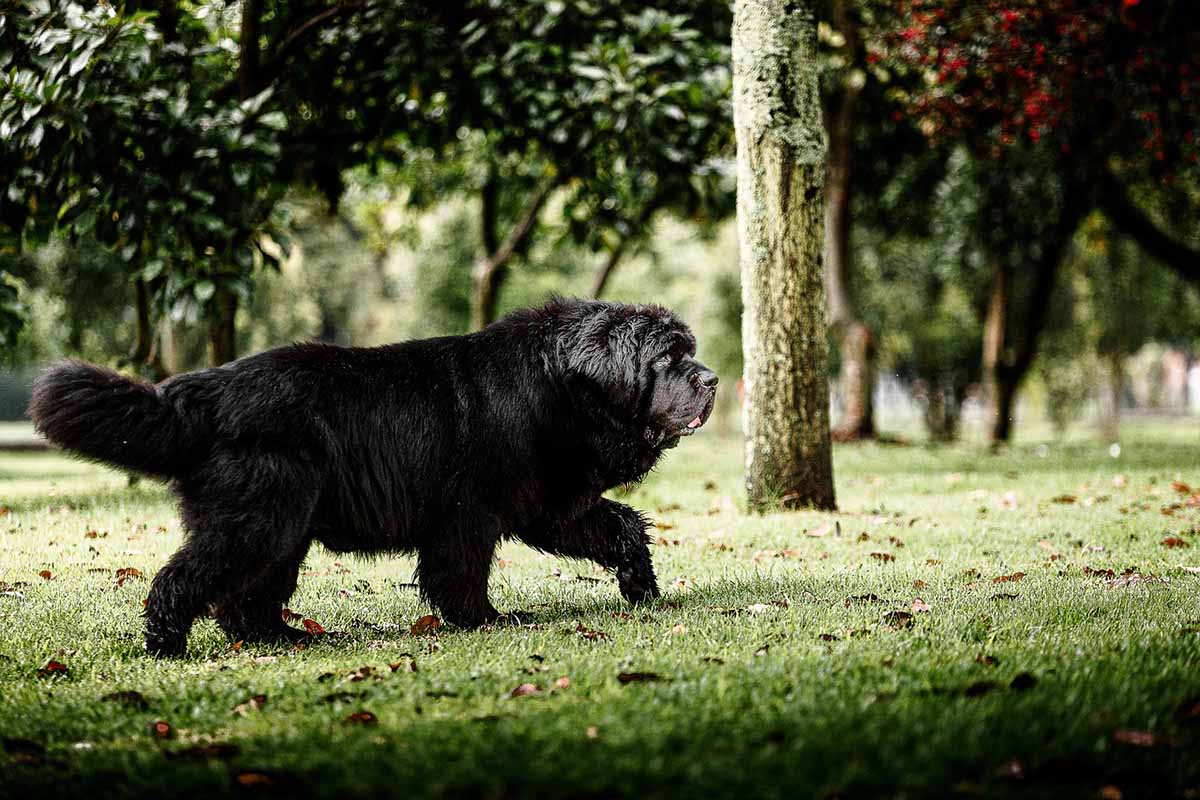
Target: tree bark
1008,349
780,161
994,324
222,333
855,339
1112,383
222,325
144,355
491,270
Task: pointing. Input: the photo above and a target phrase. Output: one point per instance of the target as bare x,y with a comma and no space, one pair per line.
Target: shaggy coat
439,447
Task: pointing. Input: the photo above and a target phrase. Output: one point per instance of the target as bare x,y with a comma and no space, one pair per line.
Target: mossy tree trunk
780,168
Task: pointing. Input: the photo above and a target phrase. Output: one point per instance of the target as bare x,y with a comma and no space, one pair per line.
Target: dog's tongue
694,423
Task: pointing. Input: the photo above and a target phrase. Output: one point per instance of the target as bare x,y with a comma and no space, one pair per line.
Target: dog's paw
638,585
166,646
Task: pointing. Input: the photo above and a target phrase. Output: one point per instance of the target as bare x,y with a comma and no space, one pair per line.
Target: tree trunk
994,325
492,268
855,339
1112,384
222,324
144,356
780,161
222,332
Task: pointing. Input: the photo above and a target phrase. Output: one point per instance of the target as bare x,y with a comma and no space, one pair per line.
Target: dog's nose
708,379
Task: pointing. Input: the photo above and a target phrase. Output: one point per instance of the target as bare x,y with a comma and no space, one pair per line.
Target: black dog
440,446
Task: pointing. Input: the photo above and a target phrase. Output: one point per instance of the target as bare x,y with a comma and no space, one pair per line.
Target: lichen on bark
781,149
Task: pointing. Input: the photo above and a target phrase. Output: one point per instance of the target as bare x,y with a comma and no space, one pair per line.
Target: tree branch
490,270
618,250
1122,212
296,38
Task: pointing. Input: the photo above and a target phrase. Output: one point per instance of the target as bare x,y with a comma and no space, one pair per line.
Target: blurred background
1011,192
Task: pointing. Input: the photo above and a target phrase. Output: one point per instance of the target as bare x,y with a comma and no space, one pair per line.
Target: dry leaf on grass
637,677
426,624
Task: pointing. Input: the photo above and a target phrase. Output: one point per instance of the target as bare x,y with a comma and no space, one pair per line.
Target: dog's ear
605,348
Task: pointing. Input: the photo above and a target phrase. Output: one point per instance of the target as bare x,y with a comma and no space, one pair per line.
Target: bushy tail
108,417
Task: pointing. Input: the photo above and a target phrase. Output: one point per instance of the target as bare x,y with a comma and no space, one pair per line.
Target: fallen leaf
637,677
1011,770
1181,487
592,732
1065,499
919,584
1045,545
254,780
919,606
713,660
1016,576
313,627
254,703
46,575
52,668
1023,681
758,608
861,598
979,688
885,557
679,629
128,698
219,751
590,634
986,660
1109,792
1005,596
762,651
563,683
1136,738
1188,710
898,619
525,690
161,730
820,530
361,718
426,624
665,526
1172,542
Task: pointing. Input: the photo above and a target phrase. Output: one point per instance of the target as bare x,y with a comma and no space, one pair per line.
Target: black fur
441,447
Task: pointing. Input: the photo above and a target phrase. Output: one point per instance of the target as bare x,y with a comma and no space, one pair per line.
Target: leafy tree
1067,106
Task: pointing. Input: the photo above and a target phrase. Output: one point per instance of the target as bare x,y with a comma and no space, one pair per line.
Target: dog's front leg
609,533
452,573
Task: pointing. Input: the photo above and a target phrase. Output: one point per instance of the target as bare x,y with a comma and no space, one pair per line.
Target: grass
777,666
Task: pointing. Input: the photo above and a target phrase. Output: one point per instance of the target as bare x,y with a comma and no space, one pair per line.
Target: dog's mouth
700,418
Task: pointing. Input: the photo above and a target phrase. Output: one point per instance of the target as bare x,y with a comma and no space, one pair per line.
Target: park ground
975,625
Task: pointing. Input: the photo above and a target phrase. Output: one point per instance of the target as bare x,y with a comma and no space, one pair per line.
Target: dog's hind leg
256,614
247,514
611,534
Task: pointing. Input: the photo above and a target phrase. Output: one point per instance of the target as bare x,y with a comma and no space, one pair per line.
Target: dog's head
641,362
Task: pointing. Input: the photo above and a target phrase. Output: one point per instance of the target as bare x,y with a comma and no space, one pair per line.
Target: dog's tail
104,416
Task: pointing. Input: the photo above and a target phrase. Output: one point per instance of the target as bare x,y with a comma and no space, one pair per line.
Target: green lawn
789,657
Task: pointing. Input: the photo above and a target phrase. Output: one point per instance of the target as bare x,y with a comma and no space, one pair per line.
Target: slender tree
780,168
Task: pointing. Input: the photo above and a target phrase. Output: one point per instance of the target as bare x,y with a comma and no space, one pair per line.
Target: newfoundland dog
440,447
